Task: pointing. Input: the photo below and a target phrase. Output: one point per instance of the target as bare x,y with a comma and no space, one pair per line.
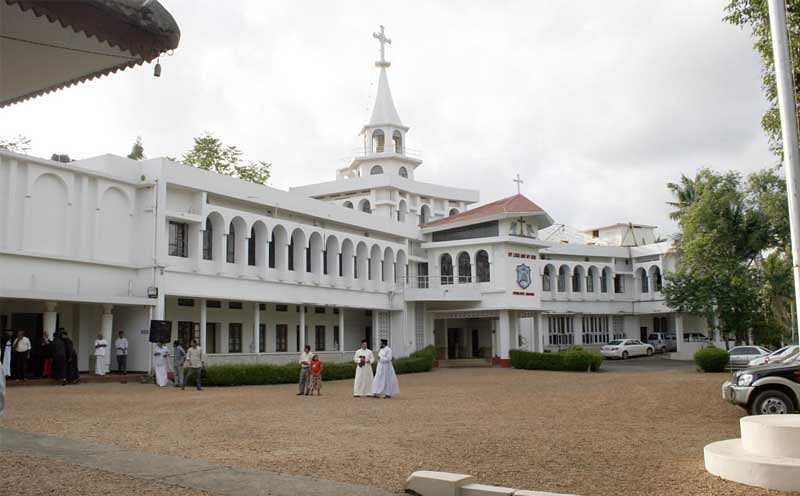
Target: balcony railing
427,282
362,152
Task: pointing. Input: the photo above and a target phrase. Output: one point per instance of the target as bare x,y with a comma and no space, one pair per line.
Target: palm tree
685,194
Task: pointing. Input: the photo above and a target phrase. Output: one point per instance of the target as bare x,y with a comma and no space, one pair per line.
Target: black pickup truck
769,389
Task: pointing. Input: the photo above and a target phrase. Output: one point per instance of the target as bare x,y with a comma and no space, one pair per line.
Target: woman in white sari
160,360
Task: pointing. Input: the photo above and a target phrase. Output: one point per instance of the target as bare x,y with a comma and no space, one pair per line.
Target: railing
427,282
362,152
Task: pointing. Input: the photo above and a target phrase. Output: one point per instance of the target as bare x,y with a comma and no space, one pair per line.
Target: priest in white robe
364,360
100,355
385,383
160,361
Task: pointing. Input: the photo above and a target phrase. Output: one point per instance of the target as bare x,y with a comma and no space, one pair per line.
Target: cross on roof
519,183
381,37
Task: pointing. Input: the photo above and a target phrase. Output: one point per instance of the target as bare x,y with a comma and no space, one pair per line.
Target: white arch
644,281
592,279
375,258
298,253
348,259
362,257
46,231
400,266
402,210
463,266
424,214
548,277
261,243
315,255
241,232
607,280
364,206
563,280
577,279
332,257
453,211
115,225
388,266
375,170
656,278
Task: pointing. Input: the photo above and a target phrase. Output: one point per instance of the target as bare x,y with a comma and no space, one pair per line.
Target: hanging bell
157,70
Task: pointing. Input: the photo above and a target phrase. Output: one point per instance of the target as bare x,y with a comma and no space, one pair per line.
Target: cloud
596,104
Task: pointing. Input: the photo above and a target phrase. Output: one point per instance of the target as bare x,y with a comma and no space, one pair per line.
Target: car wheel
771,402
624,355
649,351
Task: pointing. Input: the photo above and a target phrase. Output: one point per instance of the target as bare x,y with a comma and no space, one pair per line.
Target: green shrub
575,359
262,374
711,359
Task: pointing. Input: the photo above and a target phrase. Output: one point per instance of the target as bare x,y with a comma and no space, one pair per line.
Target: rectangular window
319,337
336,310
262,307
335,338
619,283
595,329
262,338
235,305
483,230
560,330
319,309
185,302
281,338
281,308
213,304
186,332
211,337
618,327
178,237
234,338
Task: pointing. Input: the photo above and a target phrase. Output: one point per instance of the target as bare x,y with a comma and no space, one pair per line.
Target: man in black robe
73,376
58,349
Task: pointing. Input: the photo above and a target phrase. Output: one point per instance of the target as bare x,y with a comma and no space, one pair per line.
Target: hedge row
575,359
711,359
262,374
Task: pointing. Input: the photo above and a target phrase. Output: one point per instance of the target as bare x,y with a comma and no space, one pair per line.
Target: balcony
444,288
386,151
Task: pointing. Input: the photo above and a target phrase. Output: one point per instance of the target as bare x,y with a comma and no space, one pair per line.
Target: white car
624,348
742,355
777,356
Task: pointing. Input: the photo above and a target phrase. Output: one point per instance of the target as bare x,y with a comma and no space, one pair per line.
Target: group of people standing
187,363
54,358
383,384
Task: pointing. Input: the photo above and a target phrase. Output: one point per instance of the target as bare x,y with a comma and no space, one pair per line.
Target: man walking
22,351
178,359
121,346
193,365
305,362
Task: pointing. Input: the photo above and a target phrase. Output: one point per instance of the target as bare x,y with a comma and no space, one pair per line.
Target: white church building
254,273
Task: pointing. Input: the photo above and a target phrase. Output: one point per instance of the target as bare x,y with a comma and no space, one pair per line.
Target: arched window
347,204
453,211
590,275
403,172
424,214
251,247
659,284
402,208
208,241
546,277
271,254
482,266
378,141
562,278
398,142
644,280
464,268
604,278
365,207
376,169
576,280
446,266
231,245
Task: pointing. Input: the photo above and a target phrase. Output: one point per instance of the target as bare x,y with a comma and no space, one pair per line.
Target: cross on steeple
519,183
381,37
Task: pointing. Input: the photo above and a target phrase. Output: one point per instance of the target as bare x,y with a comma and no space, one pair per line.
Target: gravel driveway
590,434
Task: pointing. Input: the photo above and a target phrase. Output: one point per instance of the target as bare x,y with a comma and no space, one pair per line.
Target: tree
209,153
137,150
755,15
18,144
723,234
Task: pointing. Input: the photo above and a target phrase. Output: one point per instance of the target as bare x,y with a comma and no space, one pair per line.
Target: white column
49,318
203,324
256,324
503,335
302,320
341,329
541,330
196,245
106,328
679,331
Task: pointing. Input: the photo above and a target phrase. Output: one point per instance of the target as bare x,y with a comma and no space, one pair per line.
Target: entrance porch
465,338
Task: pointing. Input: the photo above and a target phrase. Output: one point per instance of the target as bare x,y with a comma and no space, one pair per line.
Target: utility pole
788,111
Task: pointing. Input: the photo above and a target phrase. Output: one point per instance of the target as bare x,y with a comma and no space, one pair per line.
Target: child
316,376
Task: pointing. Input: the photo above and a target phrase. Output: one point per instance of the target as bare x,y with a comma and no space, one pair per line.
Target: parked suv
770,389
662,342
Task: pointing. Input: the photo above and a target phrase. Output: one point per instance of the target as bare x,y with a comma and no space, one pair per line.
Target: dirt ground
614,433
29,476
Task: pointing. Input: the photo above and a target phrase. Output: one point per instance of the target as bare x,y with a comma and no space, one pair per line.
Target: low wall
274,358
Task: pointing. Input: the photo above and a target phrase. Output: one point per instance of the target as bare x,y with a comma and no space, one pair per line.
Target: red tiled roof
516,204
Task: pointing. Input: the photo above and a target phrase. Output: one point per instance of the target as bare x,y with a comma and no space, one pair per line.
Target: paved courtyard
590,434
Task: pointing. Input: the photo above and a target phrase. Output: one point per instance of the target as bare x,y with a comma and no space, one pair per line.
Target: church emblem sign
523,276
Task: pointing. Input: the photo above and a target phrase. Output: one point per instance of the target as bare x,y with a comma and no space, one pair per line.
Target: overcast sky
595,104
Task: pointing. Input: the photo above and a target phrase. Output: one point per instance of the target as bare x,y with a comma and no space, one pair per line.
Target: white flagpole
787,107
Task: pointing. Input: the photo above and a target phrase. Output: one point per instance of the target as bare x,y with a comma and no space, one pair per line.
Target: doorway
32,325
643,334
476,344
454,343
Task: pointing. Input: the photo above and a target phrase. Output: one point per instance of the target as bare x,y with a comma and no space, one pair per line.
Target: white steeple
384,113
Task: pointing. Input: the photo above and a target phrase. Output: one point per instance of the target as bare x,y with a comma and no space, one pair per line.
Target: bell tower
384,133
